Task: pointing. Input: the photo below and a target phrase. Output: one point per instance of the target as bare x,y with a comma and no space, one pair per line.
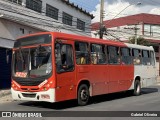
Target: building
21,17
142,25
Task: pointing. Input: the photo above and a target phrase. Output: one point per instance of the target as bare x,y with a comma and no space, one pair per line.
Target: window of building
30,32
147,30
145,57
80,25
67,19
151,30
51,12
35,5
155,30
126,56
64,57
136,53
98,54
16,1
113,55
82,53
22,30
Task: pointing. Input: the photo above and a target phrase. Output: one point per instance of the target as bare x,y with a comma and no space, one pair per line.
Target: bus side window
145,57
64,57
98,54
82,53
152,58
136,56
113,55
126,56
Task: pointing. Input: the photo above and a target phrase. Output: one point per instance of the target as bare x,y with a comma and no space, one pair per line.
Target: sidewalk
5,92
158,79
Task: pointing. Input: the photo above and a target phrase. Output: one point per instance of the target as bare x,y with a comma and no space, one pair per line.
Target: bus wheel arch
83,92
137,86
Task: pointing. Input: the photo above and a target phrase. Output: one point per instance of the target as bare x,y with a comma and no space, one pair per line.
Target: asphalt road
149,100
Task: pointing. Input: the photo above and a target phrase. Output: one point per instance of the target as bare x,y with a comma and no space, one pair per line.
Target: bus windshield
32,62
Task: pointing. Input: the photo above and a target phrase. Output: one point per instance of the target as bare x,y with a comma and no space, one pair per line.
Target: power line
122,31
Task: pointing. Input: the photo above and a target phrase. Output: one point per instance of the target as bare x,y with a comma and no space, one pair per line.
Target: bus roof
139,46
86,39
66,36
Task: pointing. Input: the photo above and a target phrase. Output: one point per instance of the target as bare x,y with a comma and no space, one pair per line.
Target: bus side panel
120,77
108,78
114,72
146,73
127,77
65,89
93,74
100,79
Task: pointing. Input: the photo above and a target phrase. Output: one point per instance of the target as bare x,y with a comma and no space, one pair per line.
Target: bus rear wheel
137,88
83,95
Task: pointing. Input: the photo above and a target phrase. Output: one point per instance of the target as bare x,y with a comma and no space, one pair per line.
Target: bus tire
83,95
137,88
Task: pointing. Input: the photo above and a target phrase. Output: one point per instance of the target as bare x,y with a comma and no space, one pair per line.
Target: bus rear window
33,40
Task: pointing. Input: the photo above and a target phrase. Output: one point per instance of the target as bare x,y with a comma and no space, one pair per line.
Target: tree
140,41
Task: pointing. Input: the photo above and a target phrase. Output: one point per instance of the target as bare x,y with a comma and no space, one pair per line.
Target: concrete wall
11,30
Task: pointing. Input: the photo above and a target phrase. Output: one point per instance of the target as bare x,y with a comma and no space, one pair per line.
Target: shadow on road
120,95
149,90
93,100
54,106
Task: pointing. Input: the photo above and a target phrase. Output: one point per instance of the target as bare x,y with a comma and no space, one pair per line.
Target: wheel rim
84,95
138,88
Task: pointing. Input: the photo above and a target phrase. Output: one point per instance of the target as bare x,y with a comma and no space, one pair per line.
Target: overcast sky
113,7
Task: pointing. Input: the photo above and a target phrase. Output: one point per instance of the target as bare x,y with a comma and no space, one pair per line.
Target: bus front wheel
137,88
83,94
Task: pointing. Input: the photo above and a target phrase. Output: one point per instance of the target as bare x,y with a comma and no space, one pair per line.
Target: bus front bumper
48,96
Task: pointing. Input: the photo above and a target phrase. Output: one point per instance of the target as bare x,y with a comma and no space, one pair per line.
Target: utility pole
135,32
101,19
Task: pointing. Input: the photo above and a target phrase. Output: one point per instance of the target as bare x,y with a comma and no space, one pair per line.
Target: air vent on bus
29,95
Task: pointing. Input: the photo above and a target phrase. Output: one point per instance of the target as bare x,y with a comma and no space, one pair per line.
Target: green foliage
140,41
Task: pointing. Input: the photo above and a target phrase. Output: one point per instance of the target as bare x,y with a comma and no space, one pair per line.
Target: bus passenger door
65,73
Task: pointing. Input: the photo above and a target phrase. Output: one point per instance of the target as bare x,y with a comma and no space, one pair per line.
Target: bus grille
29,82
29,95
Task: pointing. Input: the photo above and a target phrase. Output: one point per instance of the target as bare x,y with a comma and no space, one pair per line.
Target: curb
4,92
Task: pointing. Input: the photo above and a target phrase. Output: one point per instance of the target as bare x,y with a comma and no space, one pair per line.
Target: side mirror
7,57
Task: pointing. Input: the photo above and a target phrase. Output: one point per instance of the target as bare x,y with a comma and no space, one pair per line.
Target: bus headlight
15,85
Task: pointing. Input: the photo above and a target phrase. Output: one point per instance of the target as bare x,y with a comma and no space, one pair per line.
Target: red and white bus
56,67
